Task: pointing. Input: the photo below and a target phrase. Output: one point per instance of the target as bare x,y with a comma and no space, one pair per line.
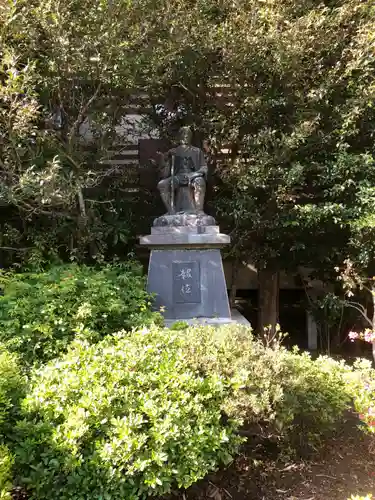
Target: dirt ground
344,466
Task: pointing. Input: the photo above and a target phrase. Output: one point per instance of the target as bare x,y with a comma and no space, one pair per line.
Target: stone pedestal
185,270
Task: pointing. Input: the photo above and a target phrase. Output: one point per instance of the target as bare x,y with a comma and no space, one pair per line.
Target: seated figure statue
184,173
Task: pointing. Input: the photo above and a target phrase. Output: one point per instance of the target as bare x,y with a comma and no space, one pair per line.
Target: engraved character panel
186,282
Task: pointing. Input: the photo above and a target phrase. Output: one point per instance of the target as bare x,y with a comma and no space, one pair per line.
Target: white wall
132,128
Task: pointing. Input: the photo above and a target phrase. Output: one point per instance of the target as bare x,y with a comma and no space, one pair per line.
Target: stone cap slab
187,240
185,230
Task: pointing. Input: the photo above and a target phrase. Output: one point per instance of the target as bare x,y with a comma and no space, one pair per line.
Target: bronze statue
184,173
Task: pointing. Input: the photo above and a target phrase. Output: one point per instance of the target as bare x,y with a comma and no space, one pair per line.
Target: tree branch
360,310
366,288
82,114
24,249
35,210
99,201
358,304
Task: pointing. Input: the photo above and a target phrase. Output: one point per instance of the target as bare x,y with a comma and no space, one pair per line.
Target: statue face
185,136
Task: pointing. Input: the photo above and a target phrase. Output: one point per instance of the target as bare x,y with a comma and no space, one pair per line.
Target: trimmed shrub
179,325
362,388
143,412
11,391
12,385
284,393
125,418
41,313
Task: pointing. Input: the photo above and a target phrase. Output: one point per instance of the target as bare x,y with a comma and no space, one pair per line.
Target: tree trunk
268,292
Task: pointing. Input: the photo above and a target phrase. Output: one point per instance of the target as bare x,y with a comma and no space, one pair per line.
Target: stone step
236,319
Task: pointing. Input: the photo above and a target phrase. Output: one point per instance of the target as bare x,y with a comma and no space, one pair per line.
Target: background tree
287,88
65,68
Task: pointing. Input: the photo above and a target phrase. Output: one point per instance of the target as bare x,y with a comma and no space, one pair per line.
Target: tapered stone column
186,271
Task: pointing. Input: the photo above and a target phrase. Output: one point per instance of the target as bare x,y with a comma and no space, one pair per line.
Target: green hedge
12,386
41,313
125,418
286,392
141,413
12,390
5,473
144,411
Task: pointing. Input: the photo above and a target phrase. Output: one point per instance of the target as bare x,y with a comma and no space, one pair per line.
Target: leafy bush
362,388
5,473
12,386
142,412
286,392
179,325
11,391
124,418
358,497
41,313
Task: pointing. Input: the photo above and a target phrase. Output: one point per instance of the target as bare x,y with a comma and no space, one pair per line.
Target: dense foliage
364,395
288,88
285,393
41,313
12,386
5,473
126,418
142,412
358,497
65,73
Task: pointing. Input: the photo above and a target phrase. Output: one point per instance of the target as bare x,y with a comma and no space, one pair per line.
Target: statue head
185,135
